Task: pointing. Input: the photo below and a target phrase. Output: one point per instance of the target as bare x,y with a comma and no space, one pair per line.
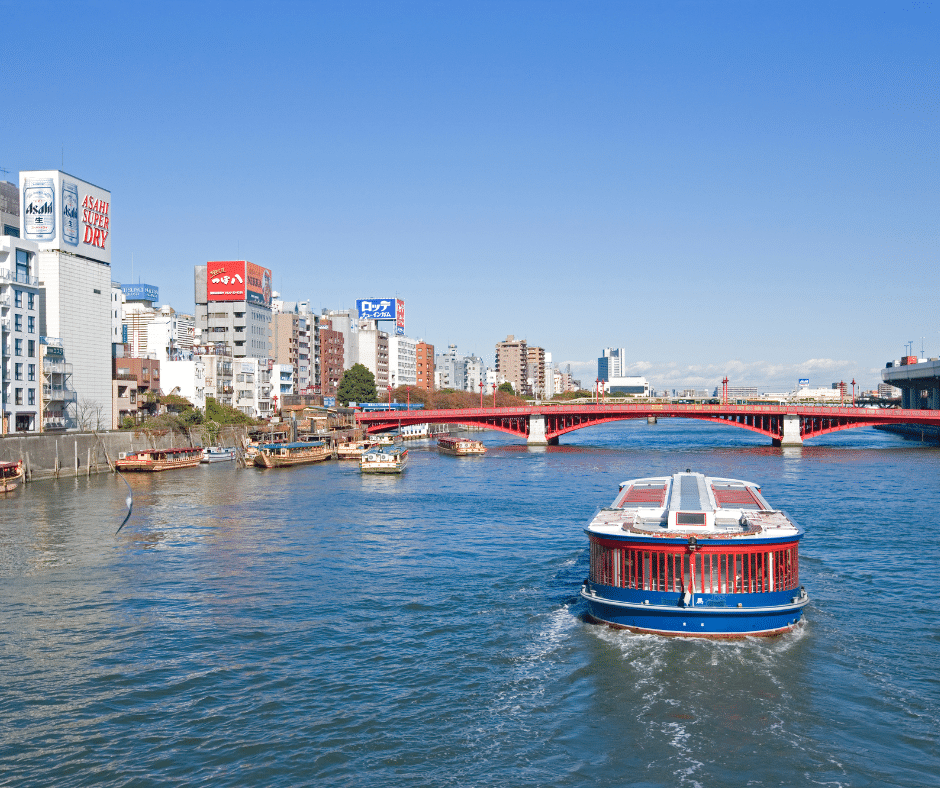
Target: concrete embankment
51,455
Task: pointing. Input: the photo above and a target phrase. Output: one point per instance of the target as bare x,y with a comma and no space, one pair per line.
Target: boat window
715,571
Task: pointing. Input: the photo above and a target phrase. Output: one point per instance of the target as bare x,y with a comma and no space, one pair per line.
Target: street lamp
494,395
841,392
390,394
481,395
853,392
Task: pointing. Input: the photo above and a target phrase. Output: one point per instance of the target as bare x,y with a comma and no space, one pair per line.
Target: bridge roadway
541,425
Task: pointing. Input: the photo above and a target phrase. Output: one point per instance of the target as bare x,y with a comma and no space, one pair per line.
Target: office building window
30,371
30,396
17,322
31,348
30,324
18,371
17,347
18,299
22,266
18,397
31,300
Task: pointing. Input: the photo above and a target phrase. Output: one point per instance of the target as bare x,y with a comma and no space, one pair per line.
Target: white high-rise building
70,221
402,364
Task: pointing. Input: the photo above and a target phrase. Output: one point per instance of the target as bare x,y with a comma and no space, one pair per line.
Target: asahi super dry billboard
238,280
66,213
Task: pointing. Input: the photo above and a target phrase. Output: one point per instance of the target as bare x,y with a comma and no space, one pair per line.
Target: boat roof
296,445
692,504
185,450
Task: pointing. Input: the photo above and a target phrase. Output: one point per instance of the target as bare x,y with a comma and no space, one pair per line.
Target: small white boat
218,454
387,460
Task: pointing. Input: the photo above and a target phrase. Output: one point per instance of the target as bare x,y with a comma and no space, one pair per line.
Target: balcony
6,324
22,279
58,394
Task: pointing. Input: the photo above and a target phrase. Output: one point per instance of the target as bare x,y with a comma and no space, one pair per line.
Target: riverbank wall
924,433
52,455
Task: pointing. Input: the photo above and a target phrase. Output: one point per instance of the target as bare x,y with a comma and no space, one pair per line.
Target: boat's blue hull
707,615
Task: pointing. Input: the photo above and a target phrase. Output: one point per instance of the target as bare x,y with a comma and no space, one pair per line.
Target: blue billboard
376,308
141,292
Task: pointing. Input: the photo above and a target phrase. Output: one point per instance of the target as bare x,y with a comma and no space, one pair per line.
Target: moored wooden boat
460,447
160,459
283,455
11,474
352,450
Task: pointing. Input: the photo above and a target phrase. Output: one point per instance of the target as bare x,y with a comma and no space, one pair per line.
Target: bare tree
90,415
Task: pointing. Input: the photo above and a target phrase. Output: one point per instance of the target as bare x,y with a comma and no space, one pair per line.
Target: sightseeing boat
352,450
11,474
383,460
694,555
218,454
283,455
460,447
160,459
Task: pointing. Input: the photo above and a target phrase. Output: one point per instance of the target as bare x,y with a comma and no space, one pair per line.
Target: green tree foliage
357,385
446,399
226,414
506,388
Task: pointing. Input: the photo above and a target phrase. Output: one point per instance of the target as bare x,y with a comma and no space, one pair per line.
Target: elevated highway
785,425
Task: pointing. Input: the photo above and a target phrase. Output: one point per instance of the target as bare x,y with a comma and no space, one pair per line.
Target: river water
312,626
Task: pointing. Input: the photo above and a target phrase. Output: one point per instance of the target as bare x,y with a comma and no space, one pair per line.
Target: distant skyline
721,188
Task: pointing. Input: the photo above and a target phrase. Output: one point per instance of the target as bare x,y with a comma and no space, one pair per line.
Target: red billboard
225,280
238,280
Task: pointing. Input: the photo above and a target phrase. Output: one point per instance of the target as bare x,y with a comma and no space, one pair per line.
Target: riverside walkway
785,425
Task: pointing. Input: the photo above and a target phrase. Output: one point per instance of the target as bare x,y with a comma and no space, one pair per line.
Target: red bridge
785,425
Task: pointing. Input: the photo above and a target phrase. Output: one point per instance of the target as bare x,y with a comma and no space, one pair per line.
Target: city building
20,312
346,323
737,392
252,382
58,397
449,370
307,366
70,221
402,361
219,371
424,366
633,385
9,209
285,342
282,381
611,364
187,378
233,307
512,363
373,352
331,357
887,391
535,372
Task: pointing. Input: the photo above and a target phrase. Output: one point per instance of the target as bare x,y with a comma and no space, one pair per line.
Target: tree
357,385
506,388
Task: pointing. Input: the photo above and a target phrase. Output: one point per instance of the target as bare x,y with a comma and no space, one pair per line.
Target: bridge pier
537,432
791,432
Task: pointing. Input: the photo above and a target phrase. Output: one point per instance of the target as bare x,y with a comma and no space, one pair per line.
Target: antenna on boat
129,501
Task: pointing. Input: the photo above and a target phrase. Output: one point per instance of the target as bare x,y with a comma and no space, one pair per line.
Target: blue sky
735,188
